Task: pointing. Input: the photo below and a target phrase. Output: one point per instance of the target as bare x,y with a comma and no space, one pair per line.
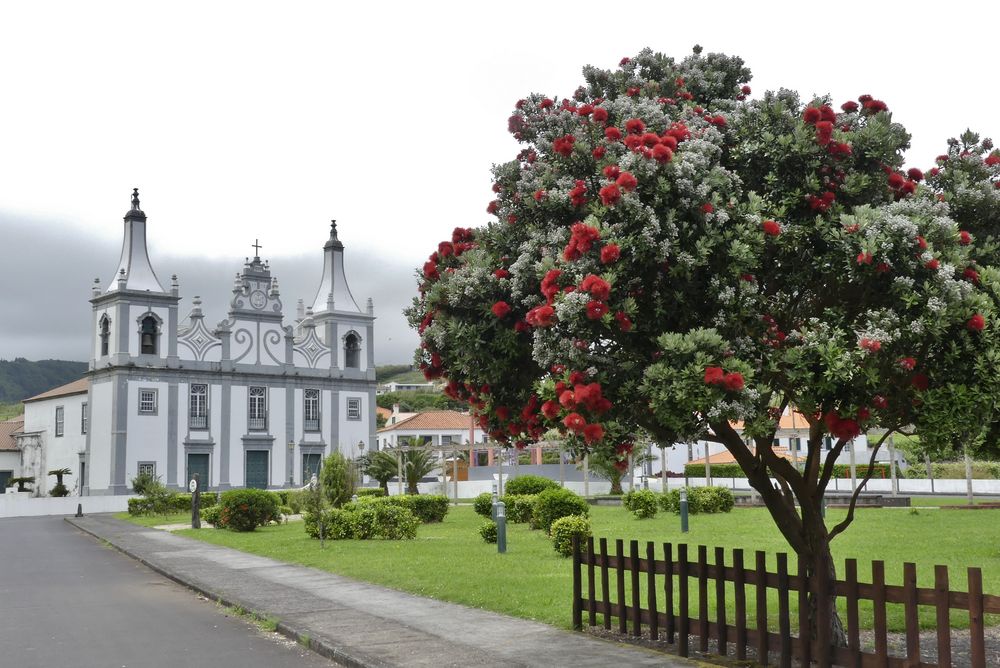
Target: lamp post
291,464
361,453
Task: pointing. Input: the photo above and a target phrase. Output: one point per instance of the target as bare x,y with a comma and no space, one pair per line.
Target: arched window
352,351
149,335
105,334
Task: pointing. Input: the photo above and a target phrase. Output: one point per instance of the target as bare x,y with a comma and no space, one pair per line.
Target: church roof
81,386
134,267
431,421
7,430
333,286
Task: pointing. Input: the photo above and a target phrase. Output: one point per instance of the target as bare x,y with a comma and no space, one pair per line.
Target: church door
198,463
4,477
310,465
257,469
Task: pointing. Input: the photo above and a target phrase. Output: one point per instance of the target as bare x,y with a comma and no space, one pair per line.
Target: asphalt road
68,600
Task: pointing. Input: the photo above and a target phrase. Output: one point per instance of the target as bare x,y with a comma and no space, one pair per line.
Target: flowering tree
668,255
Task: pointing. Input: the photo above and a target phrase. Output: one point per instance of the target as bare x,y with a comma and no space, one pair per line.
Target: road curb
299,634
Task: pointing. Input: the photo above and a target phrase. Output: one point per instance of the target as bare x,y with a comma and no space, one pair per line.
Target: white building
249,402
430,428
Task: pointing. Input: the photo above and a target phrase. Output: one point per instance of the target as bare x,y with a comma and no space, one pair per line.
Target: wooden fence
665,584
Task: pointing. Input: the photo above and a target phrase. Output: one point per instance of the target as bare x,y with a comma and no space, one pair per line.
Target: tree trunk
822,572
411,487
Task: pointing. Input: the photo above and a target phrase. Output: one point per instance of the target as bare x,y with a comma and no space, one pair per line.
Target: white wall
58,451
146,439
23,505
351,432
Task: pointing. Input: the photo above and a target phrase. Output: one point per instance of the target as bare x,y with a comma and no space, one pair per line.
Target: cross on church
256,247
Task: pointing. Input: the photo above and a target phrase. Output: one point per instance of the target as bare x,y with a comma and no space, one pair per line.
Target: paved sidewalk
359,624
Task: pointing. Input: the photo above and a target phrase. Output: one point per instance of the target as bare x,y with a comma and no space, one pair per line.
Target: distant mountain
21,378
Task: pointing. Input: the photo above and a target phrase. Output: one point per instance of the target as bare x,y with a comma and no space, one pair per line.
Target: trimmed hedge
523,485
641,503
563,530
839,470
483,505
210,515
247,509
519,507
365,521
955,471
369,491
700,500
426,507
553,504
488,531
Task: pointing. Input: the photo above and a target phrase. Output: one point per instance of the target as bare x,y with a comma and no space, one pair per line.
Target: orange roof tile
430,421
725,457
7,430
76,387
384,412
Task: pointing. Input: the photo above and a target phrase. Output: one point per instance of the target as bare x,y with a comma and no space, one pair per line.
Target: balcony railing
258,423
199,422
310,425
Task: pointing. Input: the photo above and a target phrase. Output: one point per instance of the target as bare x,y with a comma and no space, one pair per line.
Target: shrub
641,503
552,504
247,509
141,481
483,504
718,471
519,507
182,502
59,490
210,515
336,524
370,491
297,500
156,499
563,530
427,507
700,500
139,506
529,484
488,531
337,479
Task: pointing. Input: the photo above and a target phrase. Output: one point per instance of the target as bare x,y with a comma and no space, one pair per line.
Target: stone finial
122,279
371,306
300,310
333,228
274,286
96,288
135,199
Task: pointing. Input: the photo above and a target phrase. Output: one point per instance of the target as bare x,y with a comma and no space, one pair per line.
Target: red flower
627,182
564,145
582,237
992,159
932,264
714,375
634,142
593,433
841,428
880,402
502,413
707,208
575,422
596,286
849,106
549,288
921,243
908,363
976,323
610,194
541,316
546,103
501,273
624,322
915,174
596,310
430,270
577,195
864,258
971,274
811,115
538,195
600,114
920,381
567,399
881,268
964,238
550,409
662,153
896,180
610,253
612,134
635,126
745,90
733,381
611,171
577,377
771,228
522,326
598,152
501,309
871,345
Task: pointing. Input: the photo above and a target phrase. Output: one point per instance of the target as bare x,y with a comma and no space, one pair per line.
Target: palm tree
416,465
380,465
612,470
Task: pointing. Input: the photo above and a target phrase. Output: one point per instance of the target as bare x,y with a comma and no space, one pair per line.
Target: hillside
21,378
401,373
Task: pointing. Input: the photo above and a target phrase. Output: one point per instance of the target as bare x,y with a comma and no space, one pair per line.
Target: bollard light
493,512
684,510
501,527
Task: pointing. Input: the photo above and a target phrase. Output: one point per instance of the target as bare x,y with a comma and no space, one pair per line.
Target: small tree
380,465
613,468
21,482
416,465
59,489
338,478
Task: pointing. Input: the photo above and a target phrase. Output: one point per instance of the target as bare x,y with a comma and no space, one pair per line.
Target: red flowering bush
668,276
247,509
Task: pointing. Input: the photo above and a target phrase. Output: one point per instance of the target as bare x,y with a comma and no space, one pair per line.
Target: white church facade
249,402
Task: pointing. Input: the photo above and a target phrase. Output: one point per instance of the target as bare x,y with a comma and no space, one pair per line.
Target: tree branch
854,497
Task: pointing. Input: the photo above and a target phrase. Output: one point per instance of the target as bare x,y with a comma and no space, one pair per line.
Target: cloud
49,269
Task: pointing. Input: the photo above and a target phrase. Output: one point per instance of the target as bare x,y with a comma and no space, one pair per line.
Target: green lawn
156,520
449,561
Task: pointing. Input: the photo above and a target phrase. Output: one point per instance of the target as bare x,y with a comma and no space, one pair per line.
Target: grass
11,411
156,520
449,561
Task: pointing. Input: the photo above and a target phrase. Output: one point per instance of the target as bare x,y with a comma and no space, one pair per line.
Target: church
250,402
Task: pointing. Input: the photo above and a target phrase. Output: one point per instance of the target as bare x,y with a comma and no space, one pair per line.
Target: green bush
336,524
181,503
297,500
718,471
528,484
337,478
552,504
370,491
483,504
156,499
488,531
428,507
142,481
139,506
59,489
955,470
563,530
519,507
210,515
700,500
247,509
641,503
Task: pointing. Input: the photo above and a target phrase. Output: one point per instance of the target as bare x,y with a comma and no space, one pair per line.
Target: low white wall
24,505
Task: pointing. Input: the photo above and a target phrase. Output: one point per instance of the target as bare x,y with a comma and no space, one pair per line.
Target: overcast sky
249,120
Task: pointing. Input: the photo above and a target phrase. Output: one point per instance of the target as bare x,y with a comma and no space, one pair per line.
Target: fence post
822,586
591,593
978,649
910,613
740,604
784,621
620,581
703,598
654,620
577,586
941,603
605,587
668,589
878,608
682,599
636,604
761,597
853,635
